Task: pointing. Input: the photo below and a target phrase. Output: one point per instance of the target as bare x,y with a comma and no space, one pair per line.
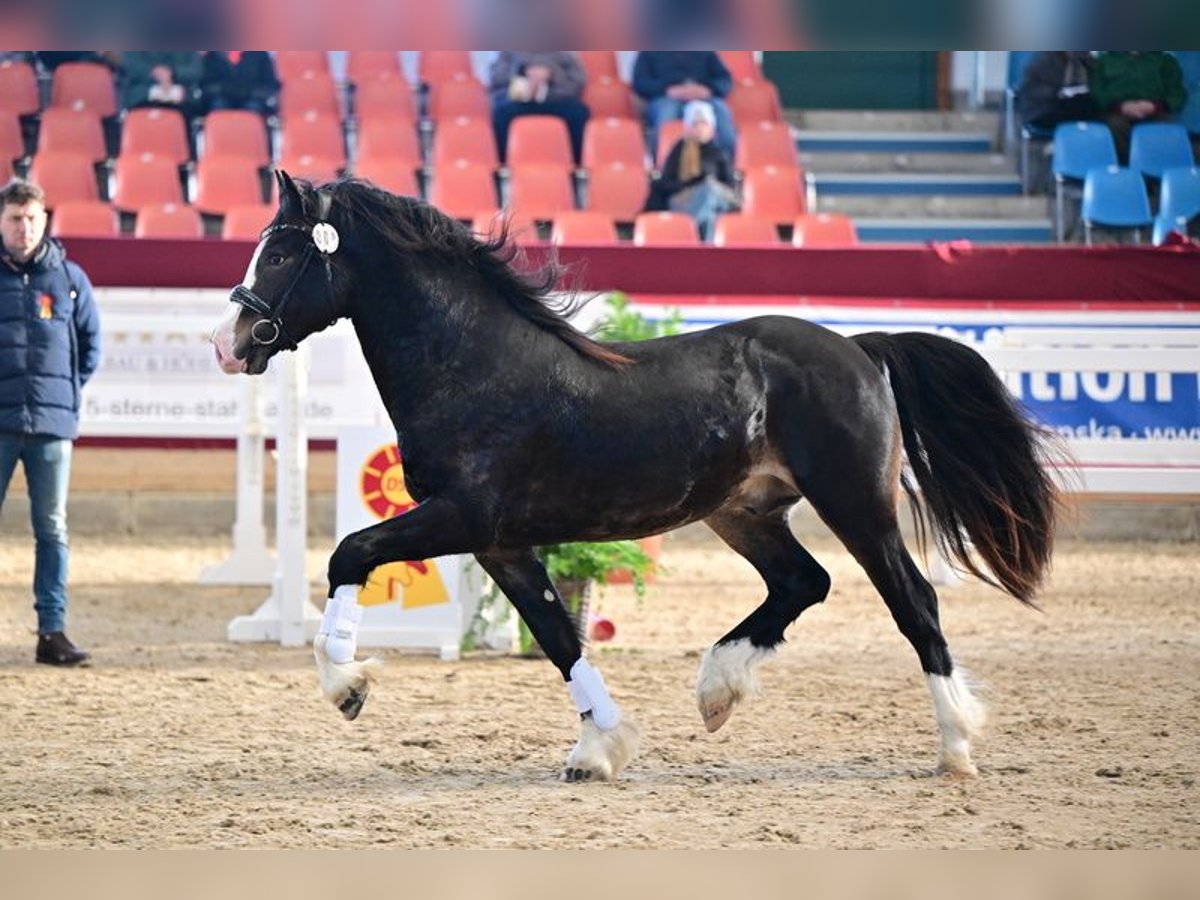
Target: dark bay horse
517,431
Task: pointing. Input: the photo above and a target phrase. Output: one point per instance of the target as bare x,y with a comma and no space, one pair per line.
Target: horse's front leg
607,740
432,529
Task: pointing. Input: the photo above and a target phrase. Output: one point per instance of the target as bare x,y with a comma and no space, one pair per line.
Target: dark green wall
851,79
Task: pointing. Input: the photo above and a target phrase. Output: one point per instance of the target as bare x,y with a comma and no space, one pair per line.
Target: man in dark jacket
49,348
670,79
239,79
1054,88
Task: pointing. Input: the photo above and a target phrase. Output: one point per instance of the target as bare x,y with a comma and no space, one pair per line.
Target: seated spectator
1131,86
667,80
169,78
538,84
697,176
1054,88
239,79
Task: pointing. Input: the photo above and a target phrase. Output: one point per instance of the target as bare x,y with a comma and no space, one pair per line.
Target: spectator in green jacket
169,78
1131,86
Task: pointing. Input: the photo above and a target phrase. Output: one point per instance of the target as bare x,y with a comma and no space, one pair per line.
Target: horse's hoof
957,767
601,755
716,715
572,775
353,704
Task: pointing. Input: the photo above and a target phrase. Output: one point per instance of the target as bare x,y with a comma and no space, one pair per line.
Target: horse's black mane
412,226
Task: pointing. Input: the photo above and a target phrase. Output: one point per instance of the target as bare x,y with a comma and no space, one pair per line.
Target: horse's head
291,288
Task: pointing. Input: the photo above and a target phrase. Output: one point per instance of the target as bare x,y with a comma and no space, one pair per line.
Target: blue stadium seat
1164,225
1114,197
1078,148
1180,192
1158,146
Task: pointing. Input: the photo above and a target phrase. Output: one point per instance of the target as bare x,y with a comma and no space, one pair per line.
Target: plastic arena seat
65,177
223,182
612,141
317,169
168,220
598,64
756,101
487,225
12,140
609,98
66,130
824,230
236,133
85,218
363,66
313,134
144,179
773,193
742,65
1114,197
459,97
618,191
84,85
1179,193
1078,148
742,229
668,135
439,66
766,144
388,97
19,88
395,174
394,139
463,190
294,64
246,222
158,131
313,92
1155,147
539,141
665,229
540,191
465,139
583,226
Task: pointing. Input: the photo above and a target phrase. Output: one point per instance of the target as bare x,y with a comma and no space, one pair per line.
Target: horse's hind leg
794,581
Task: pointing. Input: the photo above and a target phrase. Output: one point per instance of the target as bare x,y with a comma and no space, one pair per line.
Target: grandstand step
811,141
894,120
980,231
934,207
914,183
952,163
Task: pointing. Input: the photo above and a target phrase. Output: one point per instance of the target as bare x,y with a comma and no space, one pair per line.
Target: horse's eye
275,259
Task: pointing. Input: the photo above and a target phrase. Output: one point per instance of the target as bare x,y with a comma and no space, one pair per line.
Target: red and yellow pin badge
45,307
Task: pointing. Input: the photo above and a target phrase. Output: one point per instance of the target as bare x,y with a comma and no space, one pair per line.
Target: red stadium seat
12,141
311,92
540,191
462,138
752,102
385,98
461,97
391,173
84,85
773,193
168,220
65,177
741,229
618,191
155,130
608,97
363,66
741,65
390,138
824,230
65,130
317,169
668,135
463,189
293,64
438,66
223,182
236,133
246,222
582,226
85,218
609,141
487,225
144,180
766,144
19,88
598,64
312,134
539,141
664,229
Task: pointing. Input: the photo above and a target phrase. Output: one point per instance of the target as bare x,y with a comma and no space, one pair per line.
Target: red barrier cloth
950,271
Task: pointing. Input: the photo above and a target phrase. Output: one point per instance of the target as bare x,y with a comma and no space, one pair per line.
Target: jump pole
288,615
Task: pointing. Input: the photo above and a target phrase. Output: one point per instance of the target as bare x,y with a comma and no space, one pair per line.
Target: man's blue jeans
47,464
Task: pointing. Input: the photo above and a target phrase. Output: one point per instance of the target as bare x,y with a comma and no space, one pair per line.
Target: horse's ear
291,204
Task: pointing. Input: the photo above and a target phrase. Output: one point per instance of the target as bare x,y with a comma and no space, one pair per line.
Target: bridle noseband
269,328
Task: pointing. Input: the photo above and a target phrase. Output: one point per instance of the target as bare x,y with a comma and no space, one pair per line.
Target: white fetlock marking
727,677
960,717
603,753
587,686
335,645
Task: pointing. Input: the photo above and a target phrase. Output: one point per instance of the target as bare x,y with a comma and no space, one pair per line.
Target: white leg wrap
589,693
340,624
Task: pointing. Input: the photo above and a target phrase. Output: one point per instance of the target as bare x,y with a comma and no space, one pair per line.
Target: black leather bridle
268,330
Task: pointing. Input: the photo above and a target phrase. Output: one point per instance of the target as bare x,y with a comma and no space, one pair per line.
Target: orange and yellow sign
412,584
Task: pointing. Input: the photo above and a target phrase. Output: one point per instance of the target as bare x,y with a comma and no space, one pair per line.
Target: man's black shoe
56,649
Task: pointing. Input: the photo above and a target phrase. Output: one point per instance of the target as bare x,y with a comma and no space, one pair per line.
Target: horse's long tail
980,464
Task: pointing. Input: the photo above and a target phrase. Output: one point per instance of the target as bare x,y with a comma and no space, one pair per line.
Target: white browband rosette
326,238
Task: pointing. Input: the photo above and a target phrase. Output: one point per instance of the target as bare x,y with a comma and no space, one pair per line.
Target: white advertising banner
423,604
